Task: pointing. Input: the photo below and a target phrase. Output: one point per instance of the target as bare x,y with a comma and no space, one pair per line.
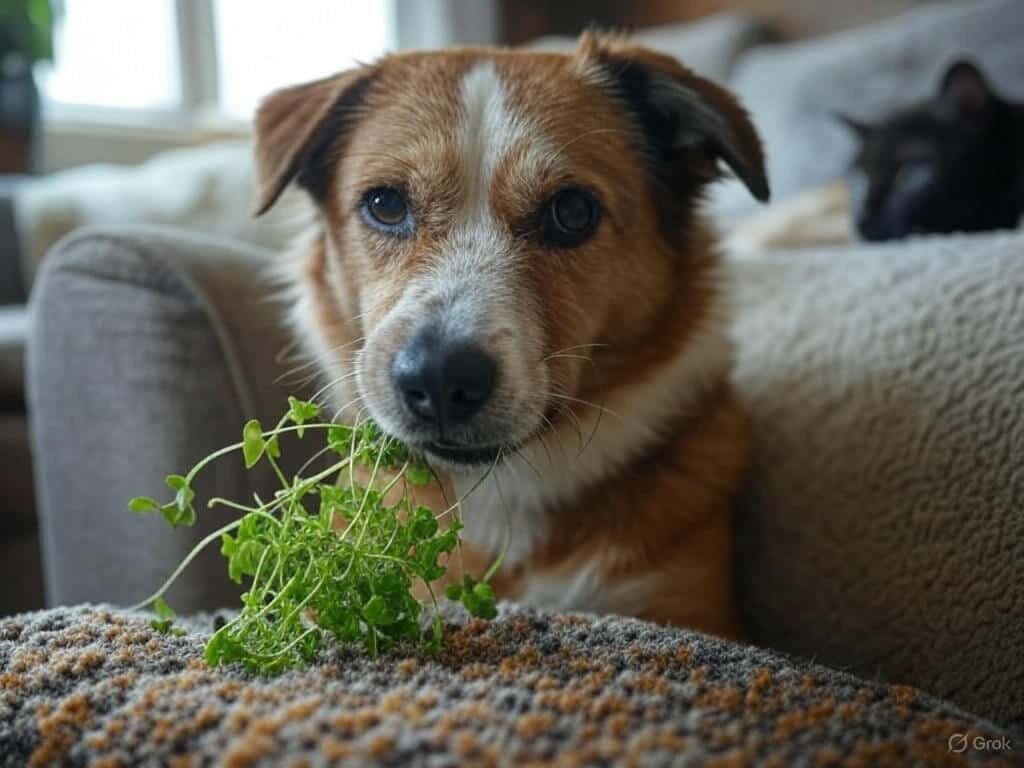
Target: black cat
951,164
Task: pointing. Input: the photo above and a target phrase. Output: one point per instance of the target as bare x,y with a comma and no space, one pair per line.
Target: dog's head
494,223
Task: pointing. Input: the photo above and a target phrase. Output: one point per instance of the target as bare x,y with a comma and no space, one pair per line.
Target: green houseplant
26,37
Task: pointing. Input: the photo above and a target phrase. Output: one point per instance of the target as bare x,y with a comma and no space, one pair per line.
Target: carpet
95,685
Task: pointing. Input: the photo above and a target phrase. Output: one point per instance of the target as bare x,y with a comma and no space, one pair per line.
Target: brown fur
636,290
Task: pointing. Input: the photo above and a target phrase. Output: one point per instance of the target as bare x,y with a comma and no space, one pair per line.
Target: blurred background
122,79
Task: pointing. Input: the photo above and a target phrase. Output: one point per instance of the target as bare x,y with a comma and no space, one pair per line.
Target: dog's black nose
444,383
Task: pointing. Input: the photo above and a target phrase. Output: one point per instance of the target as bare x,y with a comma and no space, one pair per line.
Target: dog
510,273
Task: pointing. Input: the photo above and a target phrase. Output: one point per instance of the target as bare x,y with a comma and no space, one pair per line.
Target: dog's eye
570,218
385,207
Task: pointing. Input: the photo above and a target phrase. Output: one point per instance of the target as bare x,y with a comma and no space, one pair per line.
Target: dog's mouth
468,455
462,454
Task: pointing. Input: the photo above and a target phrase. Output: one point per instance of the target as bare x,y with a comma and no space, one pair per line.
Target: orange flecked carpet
95,686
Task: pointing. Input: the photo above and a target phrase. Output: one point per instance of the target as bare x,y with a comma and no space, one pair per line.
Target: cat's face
938,167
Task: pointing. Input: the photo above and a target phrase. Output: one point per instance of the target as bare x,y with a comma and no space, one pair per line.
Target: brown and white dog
510,273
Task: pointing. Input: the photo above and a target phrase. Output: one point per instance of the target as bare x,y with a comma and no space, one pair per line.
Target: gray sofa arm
149,349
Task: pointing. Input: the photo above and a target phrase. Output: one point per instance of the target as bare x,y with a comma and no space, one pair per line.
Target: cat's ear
965,92
858,128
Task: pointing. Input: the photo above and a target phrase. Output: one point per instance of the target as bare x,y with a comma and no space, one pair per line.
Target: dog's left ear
681,114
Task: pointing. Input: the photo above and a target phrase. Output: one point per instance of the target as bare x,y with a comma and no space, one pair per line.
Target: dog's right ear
689,123
295,129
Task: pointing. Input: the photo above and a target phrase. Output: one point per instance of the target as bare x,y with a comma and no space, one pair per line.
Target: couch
883,532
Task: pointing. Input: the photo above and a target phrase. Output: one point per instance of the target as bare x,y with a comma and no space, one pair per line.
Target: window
115,53
197,60
287,43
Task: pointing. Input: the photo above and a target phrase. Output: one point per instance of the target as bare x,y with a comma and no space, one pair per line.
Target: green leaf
483,591
183,499
176,515
417,474
162,609
223,649
424,524
377,611
273,448
253,444
179,511
301,412
163,626
243,556
479,600
164,623
176,482
339,439
143,504
453,591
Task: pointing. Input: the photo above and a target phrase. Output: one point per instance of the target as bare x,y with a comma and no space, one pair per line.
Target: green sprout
164,621
322,557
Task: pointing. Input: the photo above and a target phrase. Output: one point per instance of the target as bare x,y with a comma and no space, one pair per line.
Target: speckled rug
93,685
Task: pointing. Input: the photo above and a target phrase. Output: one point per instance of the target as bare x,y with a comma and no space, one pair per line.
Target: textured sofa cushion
885,529
791,90
95,686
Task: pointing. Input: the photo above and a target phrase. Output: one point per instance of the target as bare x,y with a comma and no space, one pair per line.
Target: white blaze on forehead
489,128
485,130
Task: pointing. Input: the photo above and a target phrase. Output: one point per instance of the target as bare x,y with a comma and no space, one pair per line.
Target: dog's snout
443,382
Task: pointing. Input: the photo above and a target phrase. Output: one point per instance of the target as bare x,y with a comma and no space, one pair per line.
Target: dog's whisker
586,403
315,361
312,459
518,452
553,432
540,436
560,355
579,346
320,393
593,432
348,405
577,424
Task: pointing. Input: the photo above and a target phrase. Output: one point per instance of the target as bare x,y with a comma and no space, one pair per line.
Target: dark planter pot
19,117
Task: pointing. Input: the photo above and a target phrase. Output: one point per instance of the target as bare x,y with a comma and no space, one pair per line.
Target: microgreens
323,557
164,621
